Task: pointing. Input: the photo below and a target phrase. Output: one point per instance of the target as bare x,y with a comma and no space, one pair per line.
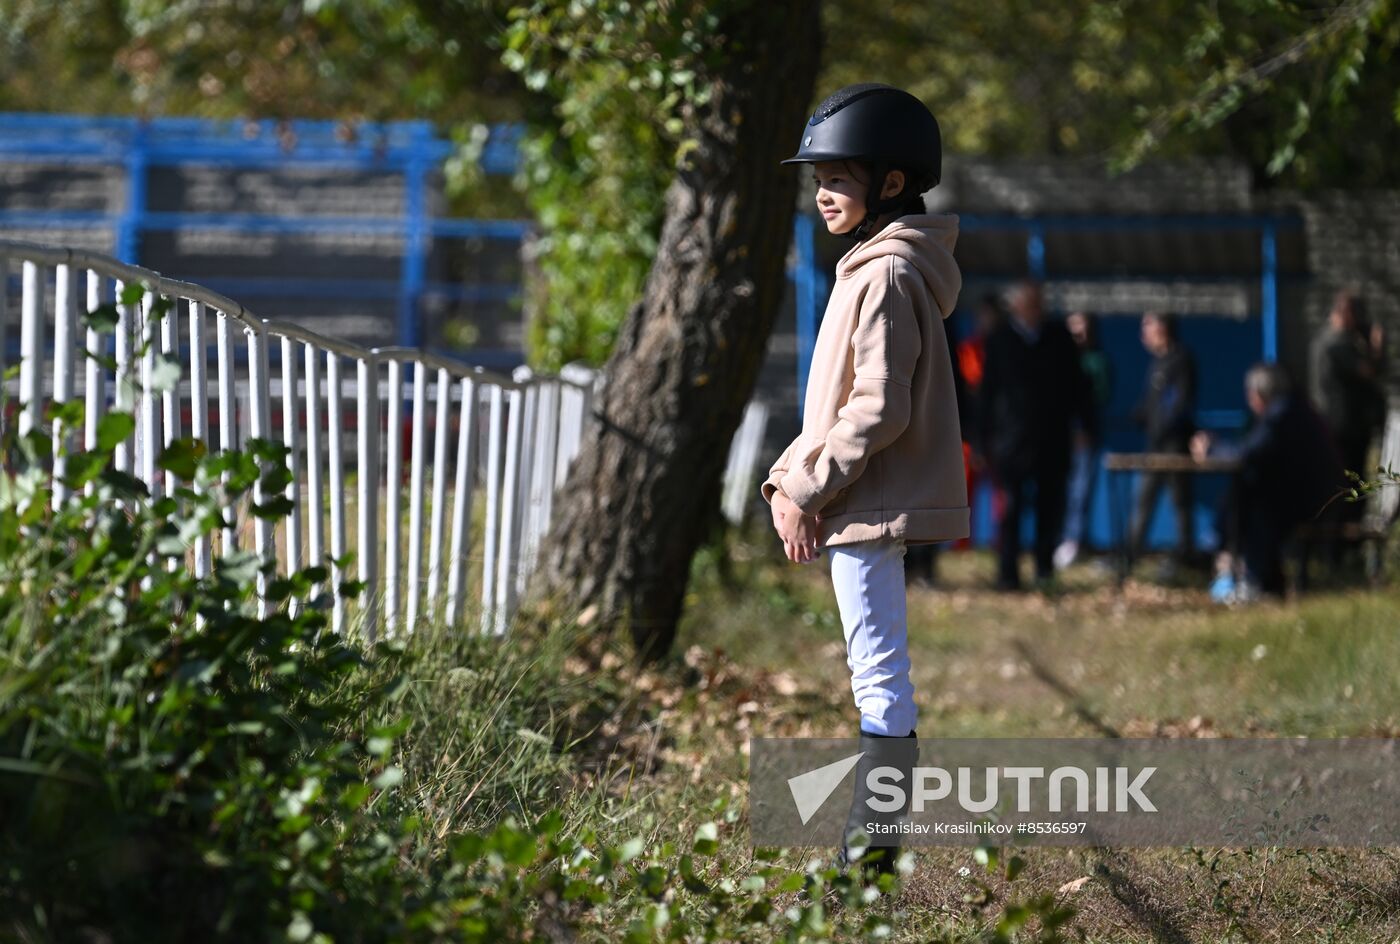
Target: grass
1087,661
512,726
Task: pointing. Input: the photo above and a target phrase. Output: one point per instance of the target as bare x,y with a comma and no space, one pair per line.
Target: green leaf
706,839
114,428
132,292
182,457
103,318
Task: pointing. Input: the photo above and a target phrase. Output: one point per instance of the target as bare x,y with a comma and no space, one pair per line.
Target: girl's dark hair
909,204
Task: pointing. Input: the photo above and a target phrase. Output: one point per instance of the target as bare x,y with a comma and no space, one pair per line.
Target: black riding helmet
884,126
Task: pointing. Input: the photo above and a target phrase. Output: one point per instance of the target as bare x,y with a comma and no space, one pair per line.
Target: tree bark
644,486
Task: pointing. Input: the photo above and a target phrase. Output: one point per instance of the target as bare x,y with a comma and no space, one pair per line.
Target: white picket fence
531,427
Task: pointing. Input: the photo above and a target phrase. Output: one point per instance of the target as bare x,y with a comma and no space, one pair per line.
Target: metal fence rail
294,387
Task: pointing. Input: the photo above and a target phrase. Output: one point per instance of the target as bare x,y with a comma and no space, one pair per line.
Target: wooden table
1120,507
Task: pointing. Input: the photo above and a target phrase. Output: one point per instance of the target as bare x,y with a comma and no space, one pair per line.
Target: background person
971,363
1166,413
1084,462
1346,366
1033,390
1289,472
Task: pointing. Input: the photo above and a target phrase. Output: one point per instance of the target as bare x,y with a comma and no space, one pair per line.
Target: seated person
1289,473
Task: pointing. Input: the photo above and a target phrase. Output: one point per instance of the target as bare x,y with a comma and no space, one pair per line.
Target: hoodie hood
926,241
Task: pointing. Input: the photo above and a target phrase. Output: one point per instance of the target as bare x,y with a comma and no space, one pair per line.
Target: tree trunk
643,488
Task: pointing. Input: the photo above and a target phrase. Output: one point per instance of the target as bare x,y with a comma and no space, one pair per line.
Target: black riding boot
880,750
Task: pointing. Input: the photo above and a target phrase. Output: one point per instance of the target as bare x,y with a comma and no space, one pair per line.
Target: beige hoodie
880,452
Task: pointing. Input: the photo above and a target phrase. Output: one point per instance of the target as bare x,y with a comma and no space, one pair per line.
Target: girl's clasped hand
797,531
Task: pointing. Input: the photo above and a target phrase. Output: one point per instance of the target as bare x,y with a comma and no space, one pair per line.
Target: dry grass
763,656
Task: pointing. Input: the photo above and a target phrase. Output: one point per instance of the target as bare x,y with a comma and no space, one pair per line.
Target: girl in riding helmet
878,464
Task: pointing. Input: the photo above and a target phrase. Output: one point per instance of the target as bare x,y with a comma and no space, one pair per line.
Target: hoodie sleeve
885,345
775,475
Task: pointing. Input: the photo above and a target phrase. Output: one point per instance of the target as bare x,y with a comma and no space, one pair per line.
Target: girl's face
840,195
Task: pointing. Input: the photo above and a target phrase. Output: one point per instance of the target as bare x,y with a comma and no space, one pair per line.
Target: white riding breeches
869,582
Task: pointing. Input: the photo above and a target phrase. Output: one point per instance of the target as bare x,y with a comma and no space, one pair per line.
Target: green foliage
337,59
172,765
620,77
1301,91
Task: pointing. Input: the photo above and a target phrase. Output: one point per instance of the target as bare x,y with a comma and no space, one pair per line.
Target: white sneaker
1067,553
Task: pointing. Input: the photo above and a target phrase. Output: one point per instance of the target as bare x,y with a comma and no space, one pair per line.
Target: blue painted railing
412,149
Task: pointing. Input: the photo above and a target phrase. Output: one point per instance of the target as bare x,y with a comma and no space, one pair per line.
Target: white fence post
335,439
393,487
228,417
258,422
505,585
291,438
199,414
493,499
415,500
31,329
462,503
439,509
315,493
368,458
65,311
95,388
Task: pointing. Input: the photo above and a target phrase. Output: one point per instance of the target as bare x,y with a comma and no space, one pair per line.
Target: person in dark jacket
1084,465
1346,366
1033,389
1289,472
1166,413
